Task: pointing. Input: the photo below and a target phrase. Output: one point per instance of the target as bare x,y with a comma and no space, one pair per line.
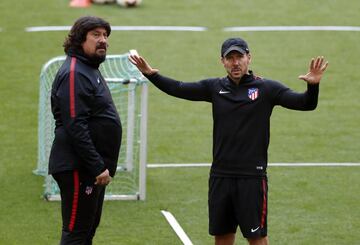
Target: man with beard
242,104
88,131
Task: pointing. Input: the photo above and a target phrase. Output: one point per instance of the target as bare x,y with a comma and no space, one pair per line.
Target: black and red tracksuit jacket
87,125
241,117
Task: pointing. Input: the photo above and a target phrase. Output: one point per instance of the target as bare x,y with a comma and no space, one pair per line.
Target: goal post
129,90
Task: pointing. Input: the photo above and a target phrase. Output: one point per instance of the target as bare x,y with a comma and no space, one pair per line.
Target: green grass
307,205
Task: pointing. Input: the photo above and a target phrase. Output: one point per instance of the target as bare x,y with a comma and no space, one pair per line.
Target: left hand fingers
315,63
318,63
324,66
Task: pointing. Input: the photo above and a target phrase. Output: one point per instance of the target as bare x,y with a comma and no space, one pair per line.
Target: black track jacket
241,117
87,125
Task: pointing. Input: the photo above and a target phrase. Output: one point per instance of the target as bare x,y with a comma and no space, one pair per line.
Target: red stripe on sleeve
264,207
75,201
72,87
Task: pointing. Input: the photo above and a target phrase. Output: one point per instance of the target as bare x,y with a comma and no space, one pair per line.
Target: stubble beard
98,58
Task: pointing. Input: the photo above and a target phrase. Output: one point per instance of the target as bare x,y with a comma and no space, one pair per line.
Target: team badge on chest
253,93
88,190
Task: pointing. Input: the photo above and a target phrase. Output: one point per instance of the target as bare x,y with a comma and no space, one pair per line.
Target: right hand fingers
103,180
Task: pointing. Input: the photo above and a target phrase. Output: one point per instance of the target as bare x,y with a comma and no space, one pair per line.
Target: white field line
291,28
121,28
201,28
158,28
177,228
307,164
47,28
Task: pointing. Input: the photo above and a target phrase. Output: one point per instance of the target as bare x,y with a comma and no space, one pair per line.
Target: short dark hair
79,30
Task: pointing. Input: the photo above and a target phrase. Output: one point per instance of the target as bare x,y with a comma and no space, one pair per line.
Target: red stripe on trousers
264,207
75,201
72,87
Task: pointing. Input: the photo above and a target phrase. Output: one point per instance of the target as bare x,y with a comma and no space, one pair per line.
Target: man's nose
103,39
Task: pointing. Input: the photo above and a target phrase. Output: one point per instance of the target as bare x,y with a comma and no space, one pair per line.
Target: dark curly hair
79,30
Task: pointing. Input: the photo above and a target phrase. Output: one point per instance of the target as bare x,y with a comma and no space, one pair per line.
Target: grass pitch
317,205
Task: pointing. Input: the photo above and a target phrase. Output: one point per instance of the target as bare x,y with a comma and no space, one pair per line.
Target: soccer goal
129,91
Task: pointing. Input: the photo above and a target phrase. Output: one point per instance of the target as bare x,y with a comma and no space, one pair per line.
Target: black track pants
81,206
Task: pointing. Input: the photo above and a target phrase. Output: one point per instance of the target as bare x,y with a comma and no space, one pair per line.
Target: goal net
129,91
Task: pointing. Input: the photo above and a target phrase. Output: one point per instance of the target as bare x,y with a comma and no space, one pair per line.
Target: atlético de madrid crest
88,190
253,93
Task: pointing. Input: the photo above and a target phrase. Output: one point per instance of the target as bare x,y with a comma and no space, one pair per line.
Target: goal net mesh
129,91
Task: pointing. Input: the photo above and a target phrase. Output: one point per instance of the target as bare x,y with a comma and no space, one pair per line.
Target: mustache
102,46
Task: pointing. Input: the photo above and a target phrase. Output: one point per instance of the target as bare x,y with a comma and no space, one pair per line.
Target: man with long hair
88,131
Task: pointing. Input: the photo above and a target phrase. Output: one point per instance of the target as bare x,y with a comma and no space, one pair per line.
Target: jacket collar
79,54
245,79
